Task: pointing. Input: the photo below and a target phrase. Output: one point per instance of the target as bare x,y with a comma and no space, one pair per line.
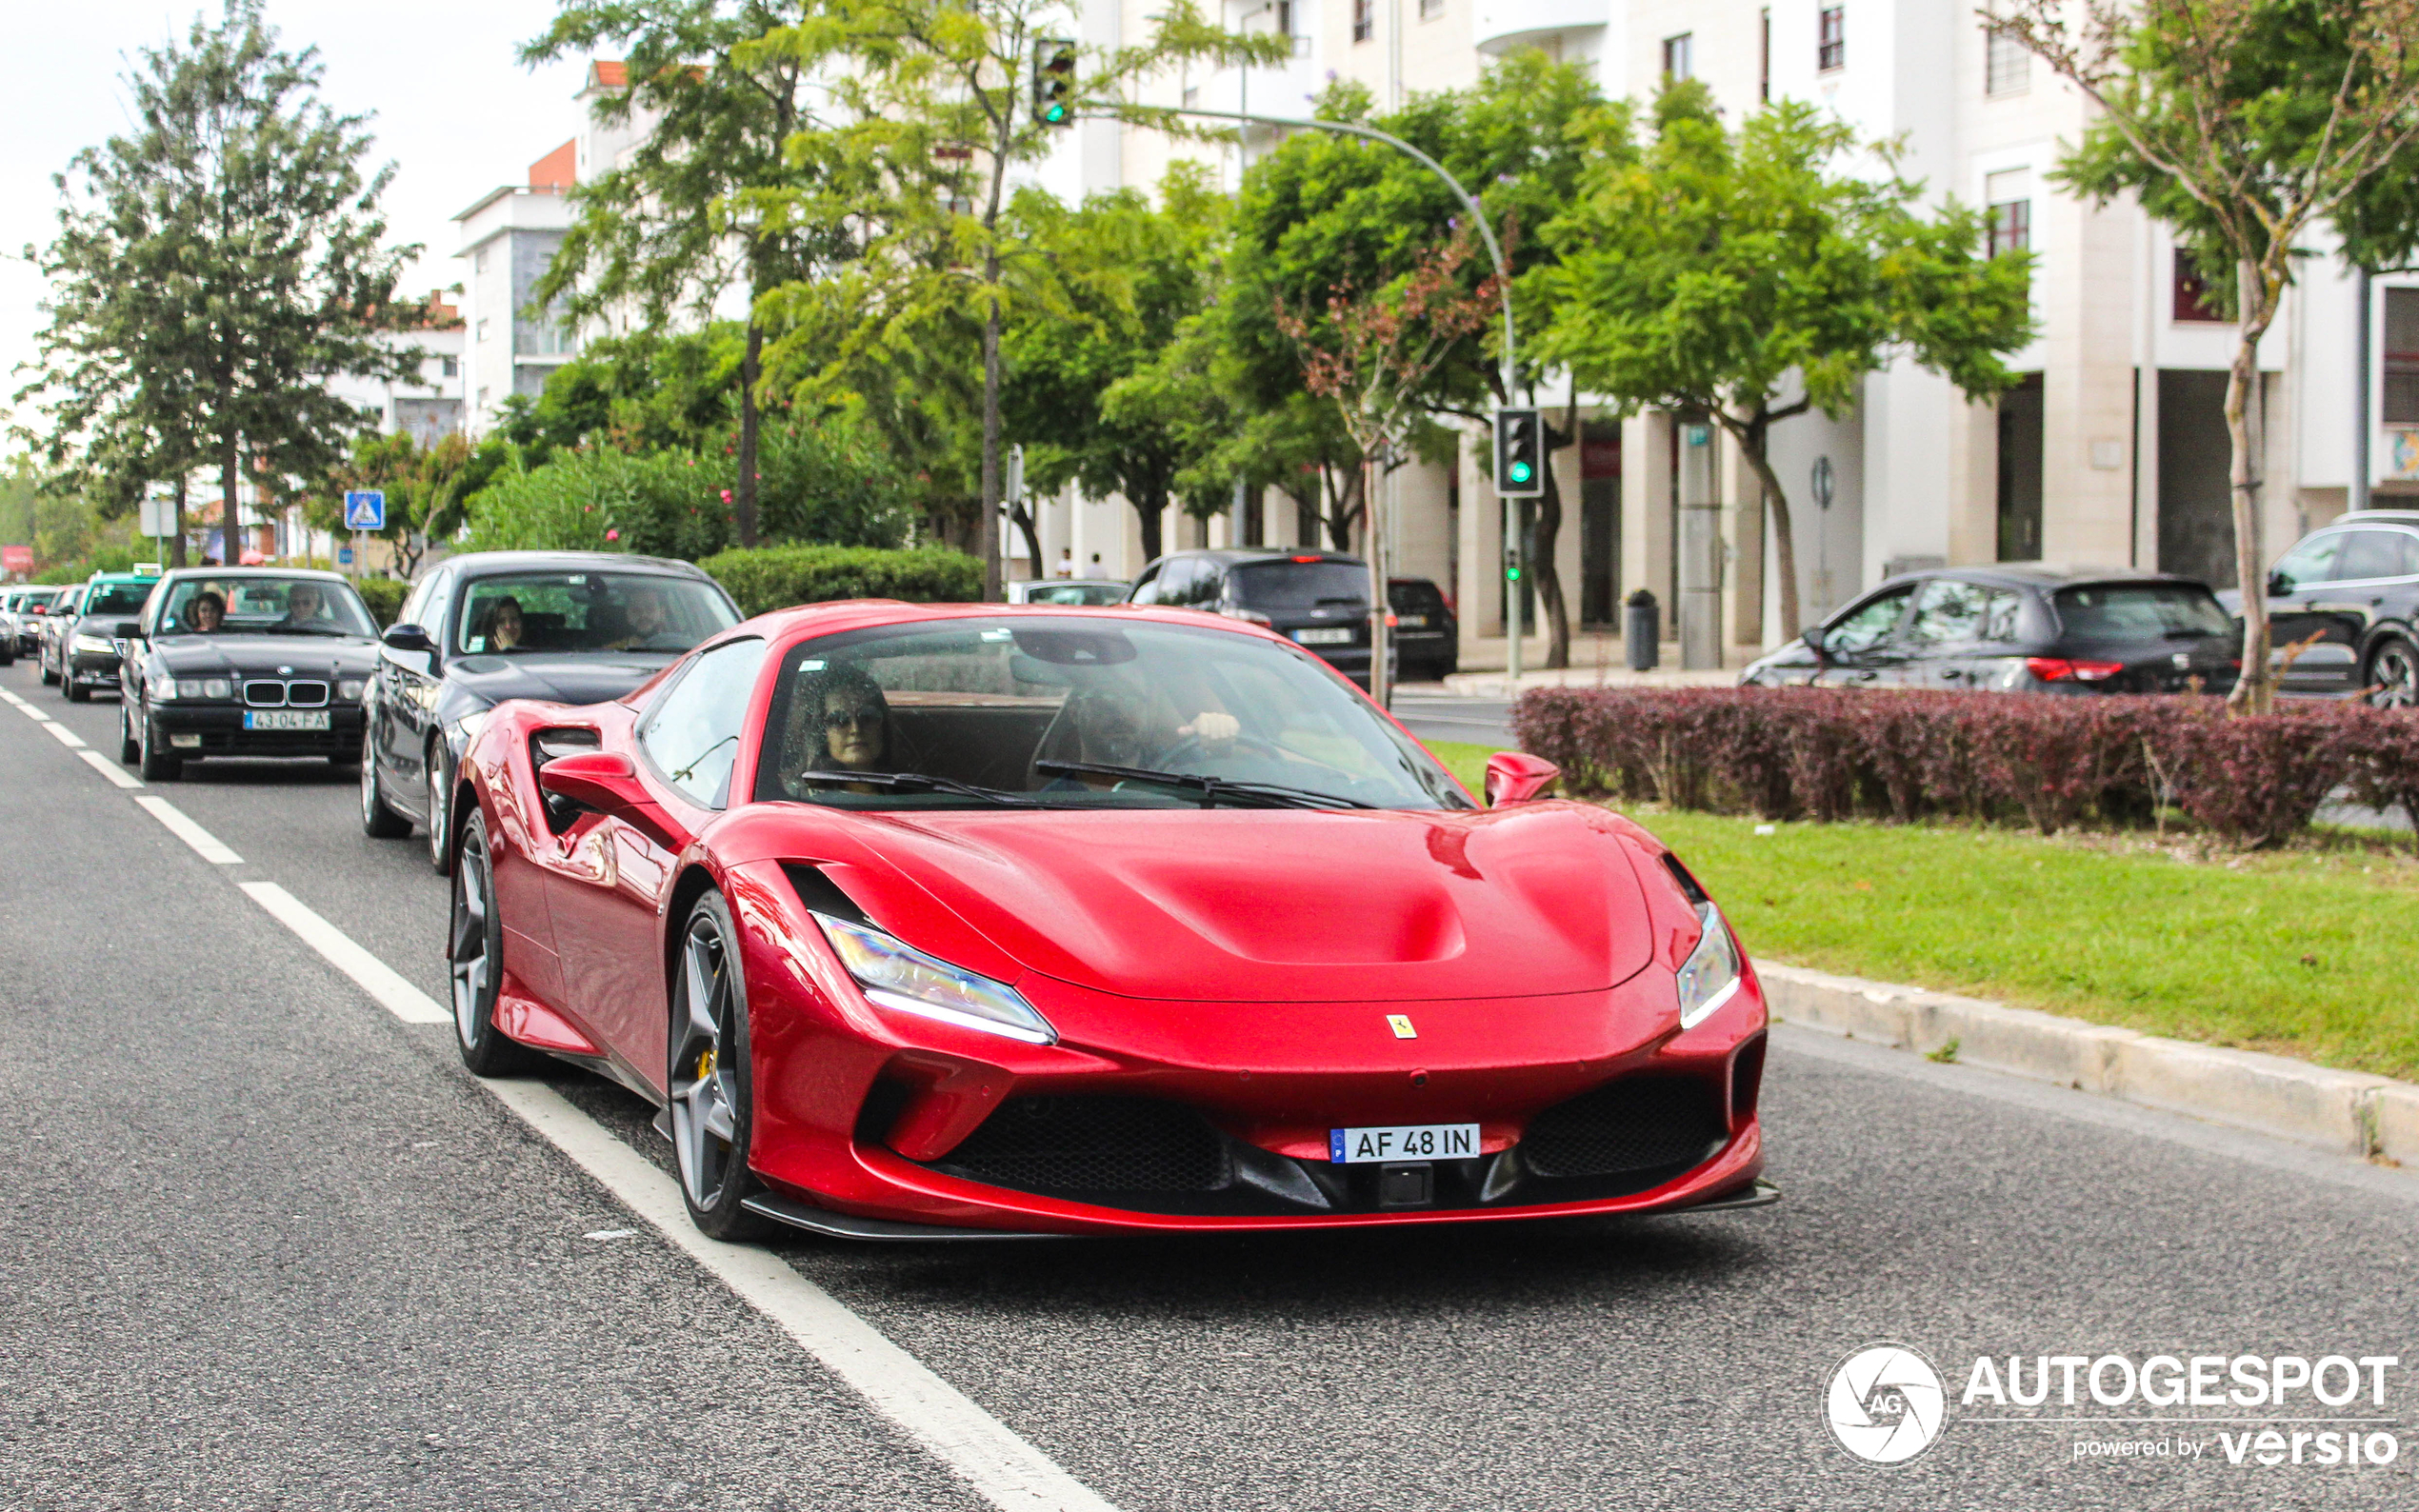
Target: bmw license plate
285,719
1339,636
1403,1141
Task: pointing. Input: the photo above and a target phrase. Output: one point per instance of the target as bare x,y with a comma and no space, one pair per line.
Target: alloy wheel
378,819
474,958
708,1075
2393,675
439,809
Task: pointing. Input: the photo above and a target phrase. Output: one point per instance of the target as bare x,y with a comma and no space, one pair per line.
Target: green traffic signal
1054,81
1520,473
1520,453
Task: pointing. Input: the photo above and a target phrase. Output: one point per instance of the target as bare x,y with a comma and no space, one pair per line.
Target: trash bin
1642,631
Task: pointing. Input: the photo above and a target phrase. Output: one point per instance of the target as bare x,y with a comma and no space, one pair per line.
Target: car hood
264,655
584,677
1283,906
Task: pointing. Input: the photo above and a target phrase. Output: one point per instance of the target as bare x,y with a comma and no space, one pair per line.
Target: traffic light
1520,454
1054,81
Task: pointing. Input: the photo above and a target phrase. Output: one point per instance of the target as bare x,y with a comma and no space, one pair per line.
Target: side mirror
408,638
2279,585
606,781
129,629
1516,777
1813,636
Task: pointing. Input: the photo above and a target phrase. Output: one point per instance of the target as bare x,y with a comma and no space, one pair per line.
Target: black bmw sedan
2019,627
245,662
567,627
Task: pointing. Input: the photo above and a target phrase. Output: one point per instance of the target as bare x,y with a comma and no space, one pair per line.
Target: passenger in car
206,613
505,629
840,722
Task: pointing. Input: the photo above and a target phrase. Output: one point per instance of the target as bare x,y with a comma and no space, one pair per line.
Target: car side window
1947,612
2371,554
1146,588
2000,616
692,736
2313,561
1869,624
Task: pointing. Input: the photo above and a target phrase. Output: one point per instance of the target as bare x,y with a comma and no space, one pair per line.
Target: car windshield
1080,713
1092,593
1300,584
118,598
254,605
2145,611
588,612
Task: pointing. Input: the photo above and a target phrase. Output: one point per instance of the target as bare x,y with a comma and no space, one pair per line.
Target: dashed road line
204,844
65,736
118,776
381,980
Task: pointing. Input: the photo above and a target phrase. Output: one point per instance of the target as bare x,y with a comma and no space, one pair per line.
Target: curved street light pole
1503,279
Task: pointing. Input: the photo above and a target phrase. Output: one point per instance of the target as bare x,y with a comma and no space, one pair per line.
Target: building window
1193,96
1364,20
2010,226
2193,300
1677,60
2008,67
450,367
479,260
1764,60
481,333
1285,18
2402,357
1430,9
1830,38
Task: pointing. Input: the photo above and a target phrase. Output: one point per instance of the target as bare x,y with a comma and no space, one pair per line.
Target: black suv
1318,600
2022,627
2348,595
1427,638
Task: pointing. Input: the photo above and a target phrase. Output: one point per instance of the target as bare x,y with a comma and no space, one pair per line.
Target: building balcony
1502,24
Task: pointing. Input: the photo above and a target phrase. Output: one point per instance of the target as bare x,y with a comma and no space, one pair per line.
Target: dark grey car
1318,600
2343,609
567,627
2019,627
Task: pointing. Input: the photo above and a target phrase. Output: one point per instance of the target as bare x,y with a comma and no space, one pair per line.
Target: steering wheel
1193,746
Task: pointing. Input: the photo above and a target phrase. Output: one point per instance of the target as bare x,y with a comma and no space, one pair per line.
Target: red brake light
1308,559
2050,669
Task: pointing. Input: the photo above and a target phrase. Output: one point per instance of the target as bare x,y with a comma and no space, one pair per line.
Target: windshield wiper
918,781
1275,795
308,629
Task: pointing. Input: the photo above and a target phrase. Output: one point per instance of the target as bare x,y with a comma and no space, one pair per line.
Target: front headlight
94,644
192,688
470,725
1711,972
896,975
349,689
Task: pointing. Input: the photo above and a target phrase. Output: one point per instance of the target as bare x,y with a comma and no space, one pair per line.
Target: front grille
301,694
265,694
307,694
1093,1145
1636,1123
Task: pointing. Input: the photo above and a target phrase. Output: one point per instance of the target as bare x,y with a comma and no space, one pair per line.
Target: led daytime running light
898,976
1710,975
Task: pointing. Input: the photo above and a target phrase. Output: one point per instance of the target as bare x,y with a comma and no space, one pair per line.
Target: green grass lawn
2311,952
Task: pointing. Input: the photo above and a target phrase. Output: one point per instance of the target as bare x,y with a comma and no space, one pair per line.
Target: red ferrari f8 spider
962,920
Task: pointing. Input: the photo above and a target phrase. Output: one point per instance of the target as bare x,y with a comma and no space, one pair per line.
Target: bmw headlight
1710,974
94,644
192,688
349,689
896,975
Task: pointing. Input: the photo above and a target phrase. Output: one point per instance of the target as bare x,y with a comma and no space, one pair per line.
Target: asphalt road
267,1246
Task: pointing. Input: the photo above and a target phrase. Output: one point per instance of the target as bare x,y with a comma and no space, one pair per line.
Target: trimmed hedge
2055,763
777,577
384,598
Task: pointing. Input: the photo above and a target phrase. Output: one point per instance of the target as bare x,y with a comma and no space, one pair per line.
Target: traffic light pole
1512,567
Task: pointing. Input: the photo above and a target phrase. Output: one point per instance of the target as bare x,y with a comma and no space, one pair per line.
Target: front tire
2393,674
709,1077
129,747
474,955
157,765
377,821
73,691
49,678
440,824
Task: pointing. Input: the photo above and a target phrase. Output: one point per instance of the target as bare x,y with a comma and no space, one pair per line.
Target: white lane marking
116,774
205,844
65,736
31,712
375,976
1006,1471
12,698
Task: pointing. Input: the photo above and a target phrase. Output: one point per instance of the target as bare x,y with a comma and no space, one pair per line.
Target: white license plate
1334,637
285,719
1403,1141
1412,621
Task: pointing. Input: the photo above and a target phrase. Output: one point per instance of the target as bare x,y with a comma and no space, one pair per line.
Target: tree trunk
743,498
1149,511
1022,516
1541,571
1348,508
230,551
176,543
1776,504
2256,689
987,532
1373,472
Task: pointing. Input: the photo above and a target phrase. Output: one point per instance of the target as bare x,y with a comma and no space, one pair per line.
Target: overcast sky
448,104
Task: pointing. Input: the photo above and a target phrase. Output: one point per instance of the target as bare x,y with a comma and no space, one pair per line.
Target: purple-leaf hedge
2053,763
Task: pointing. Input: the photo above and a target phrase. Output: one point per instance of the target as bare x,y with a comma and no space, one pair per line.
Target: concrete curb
2350,1112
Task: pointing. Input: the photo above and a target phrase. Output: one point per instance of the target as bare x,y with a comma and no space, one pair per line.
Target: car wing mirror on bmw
1516,777
608,783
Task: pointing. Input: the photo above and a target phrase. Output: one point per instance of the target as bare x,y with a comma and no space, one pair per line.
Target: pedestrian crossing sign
366,509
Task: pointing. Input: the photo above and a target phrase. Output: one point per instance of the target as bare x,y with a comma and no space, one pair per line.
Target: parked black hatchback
1318,600
2022,627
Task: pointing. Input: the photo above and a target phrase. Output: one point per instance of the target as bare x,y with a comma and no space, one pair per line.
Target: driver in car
205,612
306,607
642,614
1114,726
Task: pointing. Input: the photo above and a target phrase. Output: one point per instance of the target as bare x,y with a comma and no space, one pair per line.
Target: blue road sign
366,509
344,556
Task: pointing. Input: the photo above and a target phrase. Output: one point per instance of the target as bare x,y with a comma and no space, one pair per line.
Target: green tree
723,192
2244,123
1093,392
935,110
423,486
255,240
1709,269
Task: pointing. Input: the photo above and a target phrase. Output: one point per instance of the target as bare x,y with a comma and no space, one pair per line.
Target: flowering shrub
777,577
2052,763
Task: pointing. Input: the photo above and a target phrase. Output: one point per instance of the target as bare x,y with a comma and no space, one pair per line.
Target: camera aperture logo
1886,1404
